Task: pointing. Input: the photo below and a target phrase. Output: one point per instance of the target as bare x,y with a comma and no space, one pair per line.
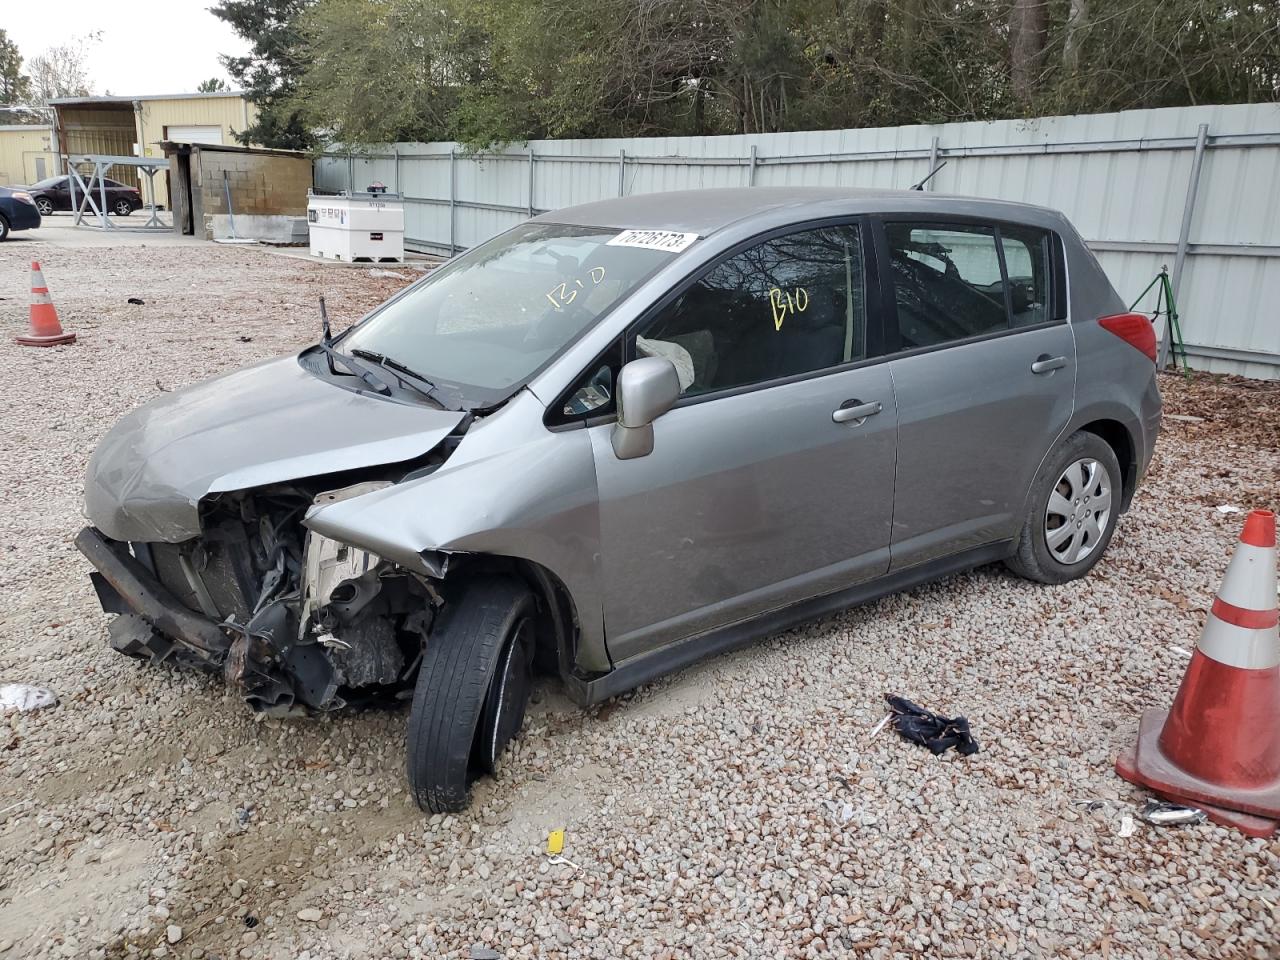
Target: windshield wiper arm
384,361
376,384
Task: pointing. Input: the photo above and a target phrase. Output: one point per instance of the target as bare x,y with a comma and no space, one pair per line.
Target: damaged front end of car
295,621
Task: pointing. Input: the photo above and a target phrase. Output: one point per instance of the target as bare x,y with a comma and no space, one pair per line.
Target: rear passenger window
947,282
791,305
1026,260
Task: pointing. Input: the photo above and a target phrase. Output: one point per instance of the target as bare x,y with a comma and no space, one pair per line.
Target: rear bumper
22,216
1152,413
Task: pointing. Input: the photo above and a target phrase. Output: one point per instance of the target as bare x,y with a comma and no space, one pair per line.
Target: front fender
512,488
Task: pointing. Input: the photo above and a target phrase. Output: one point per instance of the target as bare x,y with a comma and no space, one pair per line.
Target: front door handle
855,410
1047,364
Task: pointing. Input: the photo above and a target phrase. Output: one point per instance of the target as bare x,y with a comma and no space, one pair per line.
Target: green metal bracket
1173,332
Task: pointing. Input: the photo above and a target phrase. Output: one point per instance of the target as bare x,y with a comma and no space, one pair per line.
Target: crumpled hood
265,424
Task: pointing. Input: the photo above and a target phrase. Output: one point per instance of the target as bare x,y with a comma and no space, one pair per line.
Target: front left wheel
123,208
472,690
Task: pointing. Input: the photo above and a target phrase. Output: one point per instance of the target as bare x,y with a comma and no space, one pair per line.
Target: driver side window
788,306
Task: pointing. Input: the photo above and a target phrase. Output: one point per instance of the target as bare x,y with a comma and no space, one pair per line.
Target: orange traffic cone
1218,746
46,331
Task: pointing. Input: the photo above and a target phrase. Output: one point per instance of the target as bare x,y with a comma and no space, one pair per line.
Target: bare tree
1028,32
1077,21
62,71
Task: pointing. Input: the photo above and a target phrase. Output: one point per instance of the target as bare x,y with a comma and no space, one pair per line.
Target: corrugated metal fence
1193,188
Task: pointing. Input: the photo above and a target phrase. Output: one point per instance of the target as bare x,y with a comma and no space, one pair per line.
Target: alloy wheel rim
44,207
1079,508
122,207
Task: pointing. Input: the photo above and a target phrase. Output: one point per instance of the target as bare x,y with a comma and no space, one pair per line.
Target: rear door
60,194
984,372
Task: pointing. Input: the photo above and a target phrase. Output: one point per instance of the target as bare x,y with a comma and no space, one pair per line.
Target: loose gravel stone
705,814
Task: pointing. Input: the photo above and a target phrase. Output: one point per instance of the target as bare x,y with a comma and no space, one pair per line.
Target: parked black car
17,211
54,193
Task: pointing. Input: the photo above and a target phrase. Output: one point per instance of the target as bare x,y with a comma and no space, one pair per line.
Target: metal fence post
751,169
933,163
622,173
453,198
531,181
396,148
1184,234
102,193
351,173
71,185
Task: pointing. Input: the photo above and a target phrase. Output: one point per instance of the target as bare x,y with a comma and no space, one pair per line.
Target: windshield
493,317
47,182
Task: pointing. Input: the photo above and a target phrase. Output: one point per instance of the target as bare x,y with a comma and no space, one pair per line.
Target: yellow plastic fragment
555,842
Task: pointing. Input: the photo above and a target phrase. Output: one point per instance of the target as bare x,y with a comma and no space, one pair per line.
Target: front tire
472,690
4,228
123,208
44,206
1074,504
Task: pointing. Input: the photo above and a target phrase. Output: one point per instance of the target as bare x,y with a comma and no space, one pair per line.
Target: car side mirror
647,388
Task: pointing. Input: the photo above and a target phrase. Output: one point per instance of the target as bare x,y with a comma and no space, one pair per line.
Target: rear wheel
472,690
1075,501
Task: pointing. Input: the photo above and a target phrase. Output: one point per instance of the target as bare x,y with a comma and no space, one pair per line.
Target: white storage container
356,226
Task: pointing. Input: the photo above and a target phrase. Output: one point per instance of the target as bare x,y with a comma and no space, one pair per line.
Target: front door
772,479
985,380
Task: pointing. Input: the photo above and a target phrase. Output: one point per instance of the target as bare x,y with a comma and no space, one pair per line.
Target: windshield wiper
384,361
376,384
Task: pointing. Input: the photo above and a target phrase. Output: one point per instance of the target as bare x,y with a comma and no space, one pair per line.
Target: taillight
1134,329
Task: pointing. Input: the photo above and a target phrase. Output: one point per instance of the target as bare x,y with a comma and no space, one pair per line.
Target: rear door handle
855,410
1047,364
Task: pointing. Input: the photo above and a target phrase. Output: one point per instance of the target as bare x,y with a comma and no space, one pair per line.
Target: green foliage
269,73
1168,54
487,72
15,86
212,85
382,70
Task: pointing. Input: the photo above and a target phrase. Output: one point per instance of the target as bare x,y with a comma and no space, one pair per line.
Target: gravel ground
151,814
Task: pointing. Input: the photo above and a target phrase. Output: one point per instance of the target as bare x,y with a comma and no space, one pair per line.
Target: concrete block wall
261,184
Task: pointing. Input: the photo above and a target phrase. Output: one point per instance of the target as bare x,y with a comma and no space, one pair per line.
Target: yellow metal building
135,126
26,154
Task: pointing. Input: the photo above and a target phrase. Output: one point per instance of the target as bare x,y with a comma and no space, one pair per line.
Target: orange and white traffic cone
1218,746
46,331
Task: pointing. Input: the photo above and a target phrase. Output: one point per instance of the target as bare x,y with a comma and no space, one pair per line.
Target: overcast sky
146,48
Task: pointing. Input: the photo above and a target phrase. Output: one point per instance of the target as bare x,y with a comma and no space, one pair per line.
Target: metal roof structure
90,101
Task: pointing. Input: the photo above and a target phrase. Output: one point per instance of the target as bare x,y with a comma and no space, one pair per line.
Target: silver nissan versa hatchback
622,437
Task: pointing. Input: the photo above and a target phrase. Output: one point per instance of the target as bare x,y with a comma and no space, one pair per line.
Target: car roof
706,211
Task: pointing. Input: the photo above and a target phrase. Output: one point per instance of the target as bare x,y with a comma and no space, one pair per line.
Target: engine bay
311,623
